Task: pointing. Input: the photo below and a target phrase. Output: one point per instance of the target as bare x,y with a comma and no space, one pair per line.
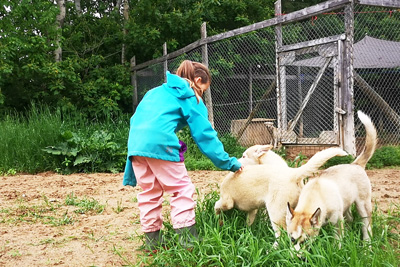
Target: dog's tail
370,140
316,161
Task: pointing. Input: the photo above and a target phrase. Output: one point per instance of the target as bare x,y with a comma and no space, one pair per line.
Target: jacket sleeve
207,139
129,175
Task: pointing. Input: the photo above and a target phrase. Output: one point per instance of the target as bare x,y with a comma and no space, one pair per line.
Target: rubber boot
187,236
154,241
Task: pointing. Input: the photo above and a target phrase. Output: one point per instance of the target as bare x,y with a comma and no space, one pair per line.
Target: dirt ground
37,228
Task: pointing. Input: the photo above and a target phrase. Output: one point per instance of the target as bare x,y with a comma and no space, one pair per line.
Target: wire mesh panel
149,78
314,27
377,71
243,69
246,90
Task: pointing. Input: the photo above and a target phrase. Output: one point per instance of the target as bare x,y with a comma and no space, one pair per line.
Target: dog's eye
293,240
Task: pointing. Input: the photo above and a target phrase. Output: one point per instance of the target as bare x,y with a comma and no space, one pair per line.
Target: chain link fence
246,103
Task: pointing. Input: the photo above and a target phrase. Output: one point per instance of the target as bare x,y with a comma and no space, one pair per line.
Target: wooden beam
349,139
312,43
134,84
381,3
207,93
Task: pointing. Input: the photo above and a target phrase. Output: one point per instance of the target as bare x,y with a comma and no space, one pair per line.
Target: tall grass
24,136
22,139
230,242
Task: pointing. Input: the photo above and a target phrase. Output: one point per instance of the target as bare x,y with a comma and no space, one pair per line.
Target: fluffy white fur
328,197
271,183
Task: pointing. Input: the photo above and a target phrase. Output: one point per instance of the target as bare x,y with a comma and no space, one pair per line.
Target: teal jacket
161,113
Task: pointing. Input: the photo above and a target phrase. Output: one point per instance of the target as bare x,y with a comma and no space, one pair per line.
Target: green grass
47,212
233,243
85,205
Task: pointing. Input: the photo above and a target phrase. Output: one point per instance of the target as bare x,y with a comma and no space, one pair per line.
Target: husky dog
268,184
328,197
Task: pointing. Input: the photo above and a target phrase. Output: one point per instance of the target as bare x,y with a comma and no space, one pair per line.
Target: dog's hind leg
251,215
364,208
348,216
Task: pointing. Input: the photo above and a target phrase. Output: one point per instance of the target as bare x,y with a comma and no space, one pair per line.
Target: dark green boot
187,236
154,240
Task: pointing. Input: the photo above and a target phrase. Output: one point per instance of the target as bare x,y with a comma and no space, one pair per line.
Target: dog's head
253,155
302,226
269,124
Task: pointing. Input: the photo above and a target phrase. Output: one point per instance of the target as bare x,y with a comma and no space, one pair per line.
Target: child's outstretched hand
240,169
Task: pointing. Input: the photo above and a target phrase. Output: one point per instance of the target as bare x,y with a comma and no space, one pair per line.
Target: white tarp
369,53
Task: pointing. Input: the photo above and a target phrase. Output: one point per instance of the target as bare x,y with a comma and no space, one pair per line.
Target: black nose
293,240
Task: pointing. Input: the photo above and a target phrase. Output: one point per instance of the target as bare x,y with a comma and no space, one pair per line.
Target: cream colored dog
268,184
328,197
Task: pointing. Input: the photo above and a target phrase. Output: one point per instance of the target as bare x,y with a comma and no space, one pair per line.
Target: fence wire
244,77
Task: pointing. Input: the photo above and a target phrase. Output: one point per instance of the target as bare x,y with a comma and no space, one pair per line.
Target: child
155,155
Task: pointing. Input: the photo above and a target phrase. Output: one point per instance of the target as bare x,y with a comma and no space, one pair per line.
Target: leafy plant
95,153
195,160
385,156
297,161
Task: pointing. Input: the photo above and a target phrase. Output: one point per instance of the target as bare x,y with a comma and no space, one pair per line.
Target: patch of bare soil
37,228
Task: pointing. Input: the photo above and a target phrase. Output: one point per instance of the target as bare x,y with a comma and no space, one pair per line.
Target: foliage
95,153
338,160
195,160
97,146
384,157
43,140
92,77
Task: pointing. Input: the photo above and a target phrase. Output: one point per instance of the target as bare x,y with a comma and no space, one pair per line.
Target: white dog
328,197
268,184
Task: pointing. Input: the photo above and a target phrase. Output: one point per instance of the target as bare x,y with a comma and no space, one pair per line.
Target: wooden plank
312,11
316,42
207,93
134,85
280,83
165,64
310,92
349,139
381,3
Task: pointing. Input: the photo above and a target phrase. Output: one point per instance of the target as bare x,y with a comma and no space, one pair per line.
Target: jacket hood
178,86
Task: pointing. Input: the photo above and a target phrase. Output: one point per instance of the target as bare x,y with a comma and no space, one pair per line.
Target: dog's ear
314,220
262,150
289,213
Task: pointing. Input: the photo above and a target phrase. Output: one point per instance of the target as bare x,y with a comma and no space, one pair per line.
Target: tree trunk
78,7
59,24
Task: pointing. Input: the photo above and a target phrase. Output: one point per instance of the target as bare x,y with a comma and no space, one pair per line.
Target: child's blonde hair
189,70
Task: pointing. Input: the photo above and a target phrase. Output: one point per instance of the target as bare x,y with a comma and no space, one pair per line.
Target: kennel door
308,93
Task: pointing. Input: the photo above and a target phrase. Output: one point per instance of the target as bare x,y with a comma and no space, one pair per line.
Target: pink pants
155,177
